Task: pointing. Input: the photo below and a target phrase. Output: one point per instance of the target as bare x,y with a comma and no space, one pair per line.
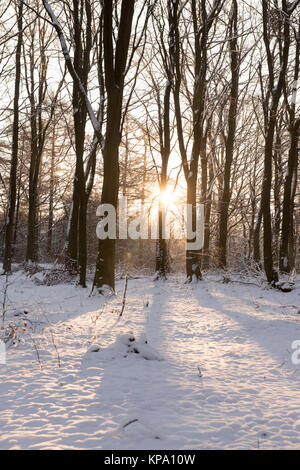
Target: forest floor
216,371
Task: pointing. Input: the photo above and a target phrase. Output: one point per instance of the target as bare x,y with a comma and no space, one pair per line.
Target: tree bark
76,250
288,201
230,139
15,147
287,249
114,67
275,93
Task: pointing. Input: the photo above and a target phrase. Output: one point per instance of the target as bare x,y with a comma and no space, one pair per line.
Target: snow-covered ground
187,367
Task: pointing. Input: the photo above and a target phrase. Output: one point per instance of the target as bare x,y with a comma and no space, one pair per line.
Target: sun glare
167,197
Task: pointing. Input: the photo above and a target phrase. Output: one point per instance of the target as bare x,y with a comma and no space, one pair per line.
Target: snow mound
285,286
124,346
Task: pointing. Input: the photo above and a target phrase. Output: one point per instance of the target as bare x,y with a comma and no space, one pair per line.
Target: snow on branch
55,23
293,6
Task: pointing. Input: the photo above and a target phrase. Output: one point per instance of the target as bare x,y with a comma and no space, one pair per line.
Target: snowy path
238,336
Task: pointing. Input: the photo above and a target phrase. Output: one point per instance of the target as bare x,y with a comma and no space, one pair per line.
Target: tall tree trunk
193,257
15,147
207,216
38,131
105,264
35,160
232,118
204,180
200,35
272,275
165,150
143,196
51,195
115,67
76,250
256,238
287,248
277,192
161,244
288,200
17,214
271,114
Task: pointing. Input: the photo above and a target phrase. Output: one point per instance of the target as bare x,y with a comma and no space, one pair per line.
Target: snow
213,369
124,345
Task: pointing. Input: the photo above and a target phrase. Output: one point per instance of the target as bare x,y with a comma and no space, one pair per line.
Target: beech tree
202,22
272,97
84,38
161,84
117,59
287,248
230,138
37,86
15,147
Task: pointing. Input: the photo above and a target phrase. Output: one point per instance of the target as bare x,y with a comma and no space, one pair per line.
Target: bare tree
116,63
230,138
15,148
83,39
271,103
287,258
198,104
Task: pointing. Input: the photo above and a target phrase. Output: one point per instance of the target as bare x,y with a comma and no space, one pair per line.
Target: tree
198,105
287,258
15,148
162,120
271,103
76,245
230,138
41,114
116,63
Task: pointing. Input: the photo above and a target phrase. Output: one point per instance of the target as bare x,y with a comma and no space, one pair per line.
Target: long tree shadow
267,332
130,390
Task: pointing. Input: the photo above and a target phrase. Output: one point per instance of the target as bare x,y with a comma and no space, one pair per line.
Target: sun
167,197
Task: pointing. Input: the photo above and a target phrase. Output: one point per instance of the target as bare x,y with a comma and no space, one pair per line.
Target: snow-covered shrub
52,277
125,345
31,268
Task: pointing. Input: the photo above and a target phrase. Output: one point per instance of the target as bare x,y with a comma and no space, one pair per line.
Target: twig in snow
36,350
129,422
53,341
95,318
281,365
98,315
55,347
124,296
